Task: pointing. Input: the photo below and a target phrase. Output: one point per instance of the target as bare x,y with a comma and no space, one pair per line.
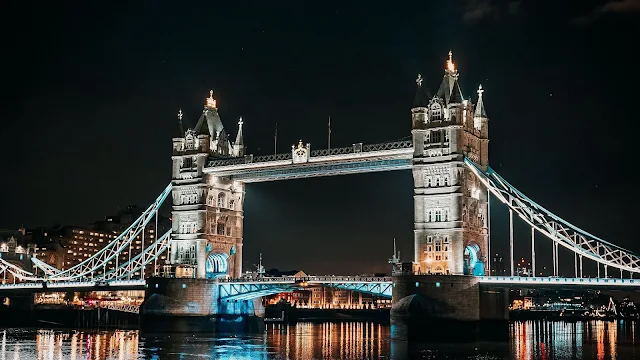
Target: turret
420,104
238,146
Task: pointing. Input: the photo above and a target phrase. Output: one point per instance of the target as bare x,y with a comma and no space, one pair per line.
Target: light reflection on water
528,340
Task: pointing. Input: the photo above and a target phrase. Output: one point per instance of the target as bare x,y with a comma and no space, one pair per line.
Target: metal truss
555,228
133,309
245,289
99,260
251,290
7,268
140,261
523,281
355,148
382,289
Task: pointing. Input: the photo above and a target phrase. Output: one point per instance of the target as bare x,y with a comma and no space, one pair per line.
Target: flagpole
275,140
329,138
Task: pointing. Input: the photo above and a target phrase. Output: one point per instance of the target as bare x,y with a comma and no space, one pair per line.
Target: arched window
210,200
429,181
446,181
221,200
220,229
437,181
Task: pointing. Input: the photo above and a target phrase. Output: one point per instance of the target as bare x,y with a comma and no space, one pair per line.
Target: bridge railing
324,279
354,149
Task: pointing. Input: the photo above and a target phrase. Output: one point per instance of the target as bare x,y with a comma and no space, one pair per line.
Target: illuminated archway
472,263
217,265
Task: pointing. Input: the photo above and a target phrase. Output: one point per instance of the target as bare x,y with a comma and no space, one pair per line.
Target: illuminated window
221,200
438,257
232,204
436,112
438,246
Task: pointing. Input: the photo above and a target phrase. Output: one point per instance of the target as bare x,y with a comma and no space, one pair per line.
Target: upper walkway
354,159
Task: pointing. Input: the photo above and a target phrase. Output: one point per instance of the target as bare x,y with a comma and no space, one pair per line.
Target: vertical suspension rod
155,260
553,251
511,241
580,266
489,257
533,251
575,264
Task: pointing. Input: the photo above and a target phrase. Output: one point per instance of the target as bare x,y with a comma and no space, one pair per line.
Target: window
436,112
446,248
446,181
429,239
221,200
429,248
187,162
446,133
438,257
435,137
429,181
228,231
438,216
220,229
232,204
438,246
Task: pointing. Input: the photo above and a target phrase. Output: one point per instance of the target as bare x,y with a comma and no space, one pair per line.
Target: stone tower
207,211
450,204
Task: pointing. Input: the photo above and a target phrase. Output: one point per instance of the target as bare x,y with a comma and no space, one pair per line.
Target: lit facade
450,204
322,297
207,210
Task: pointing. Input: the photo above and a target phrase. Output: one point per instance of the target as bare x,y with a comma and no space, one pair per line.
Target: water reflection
528,340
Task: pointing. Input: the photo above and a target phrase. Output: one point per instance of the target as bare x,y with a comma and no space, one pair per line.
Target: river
527,340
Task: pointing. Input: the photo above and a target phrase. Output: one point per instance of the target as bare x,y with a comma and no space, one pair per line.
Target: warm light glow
450,65
211,102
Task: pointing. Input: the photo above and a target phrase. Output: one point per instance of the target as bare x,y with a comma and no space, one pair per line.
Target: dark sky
91,92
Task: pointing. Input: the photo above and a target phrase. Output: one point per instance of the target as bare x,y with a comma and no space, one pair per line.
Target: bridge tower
207,210
450,204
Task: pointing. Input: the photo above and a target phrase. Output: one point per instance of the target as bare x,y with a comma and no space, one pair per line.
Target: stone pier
447,305
192,305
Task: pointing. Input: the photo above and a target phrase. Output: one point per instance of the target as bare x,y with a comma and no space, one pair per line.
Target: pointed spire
211,103
180,125
456,94
422,98
480,111
451,67
239,137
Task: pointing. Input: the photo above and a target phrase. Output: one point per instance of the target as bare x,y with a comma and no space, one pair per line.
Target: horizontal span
306,170
558,281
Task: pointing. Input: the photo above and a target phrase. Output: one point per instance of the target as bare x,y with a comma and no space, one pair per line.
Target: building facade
450,204
207,210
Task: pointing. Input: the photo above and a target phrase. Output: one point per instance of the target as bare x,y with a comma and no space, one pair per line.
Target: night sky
91,93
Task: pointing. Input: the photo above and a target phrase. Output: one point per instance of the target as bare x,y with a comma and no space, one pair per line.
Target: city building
16,249
497,265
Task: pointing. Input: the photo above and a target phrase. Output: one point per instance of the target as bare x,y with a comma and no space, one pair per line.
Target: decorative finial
211,102
240,121
180,114
450,65
480,91
419,80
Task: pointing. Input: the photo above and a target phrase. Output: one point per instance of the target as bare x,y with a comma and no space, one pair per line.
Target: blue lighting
438,284
184,286
156,286
417,284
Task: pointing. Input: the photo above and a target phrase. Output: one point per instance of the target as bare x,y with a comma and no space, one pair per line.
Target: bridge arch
472,263
217,265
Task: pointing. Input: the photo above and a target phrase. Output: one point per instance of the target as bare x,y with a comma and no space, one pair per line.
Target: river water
527,340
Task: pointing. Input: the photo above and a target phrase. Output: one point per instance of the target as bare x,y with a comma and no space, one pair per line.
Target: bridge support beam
193,306
441,302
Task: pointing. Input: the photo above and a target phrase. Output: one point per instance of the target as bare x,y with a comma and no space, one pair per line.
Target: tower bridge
452,180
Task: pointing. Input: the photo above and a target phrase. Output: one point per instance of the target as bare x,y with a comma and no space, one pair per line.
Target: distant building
497,265
16,249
